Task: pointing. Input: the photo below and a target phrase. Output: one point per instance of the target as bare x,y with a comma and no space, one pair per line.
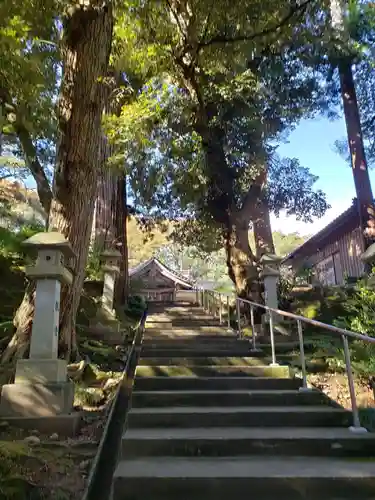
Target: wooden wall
350,247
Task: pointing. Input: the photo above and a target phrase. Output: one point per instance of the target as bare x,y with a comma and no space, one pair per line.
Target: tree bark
121,215
362,183
241,263
105,204
262,230
260,218
85,48
366,207
242,266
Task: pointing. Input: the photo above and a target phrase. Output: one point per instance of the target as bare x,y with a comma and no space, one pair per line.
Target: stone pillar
111,269
105,324
41,387
270,274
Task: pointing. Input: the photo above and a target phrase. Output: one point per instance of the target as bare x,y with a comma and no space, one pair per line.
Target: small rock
84,465
111,382
34,433
32,440
54,436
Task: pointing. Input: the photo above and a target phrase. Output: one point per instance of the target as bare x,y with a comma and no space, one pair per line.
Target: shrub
135,306
359,310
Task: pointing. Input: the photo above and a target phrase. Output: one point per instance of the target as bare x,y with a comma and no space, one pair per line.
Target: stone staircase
209,420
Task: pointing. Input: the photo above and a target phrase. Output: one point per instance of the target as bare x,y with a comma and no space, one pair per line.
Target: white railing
212,301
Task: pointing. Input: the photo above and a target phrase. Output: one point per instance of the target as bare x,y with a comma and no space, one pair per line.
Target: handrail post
220,310
238,309
228,310
254,347
272,341
304,387
356,427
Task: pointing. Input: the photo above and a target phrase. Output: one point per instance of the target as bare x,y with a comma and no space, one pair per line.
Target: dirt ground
34,466
336,387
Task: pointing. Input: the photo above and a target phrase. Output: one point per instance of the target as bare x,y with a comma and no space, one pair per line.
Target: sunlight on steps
210,420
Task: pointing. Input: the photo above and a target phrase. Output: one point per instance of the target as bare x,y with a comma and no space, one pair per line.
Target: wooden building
156,282
333,254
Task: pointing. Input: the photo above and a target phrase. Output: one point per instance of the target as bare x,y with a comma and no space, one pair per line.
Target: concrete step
199,352
199,321
240,416
196,345
158,326
159,399
203,361
213,371
238,441
266,478
214,383
249,358
208,333
192,336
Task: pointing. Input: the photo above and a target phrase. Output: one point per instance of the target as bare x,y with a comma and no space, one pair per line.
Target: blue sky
313,144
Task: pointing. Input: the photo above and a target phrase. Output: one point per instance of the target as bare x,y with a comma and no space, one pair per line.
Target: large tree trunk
262,230
111,208
105,204
366,207
85,48
260,217
122,283
362,183
241,263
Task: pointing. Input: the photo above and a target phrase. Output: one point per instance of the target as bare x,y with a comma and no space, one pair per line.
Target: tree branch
222,39
29,150
42,185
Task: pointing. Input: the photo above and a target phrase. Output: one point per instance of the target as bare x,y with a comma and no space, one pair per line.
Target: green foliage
94,265
367,418
14,472
287,242
135,306
352,308
11,242
210,104
28,80
323,304
88,396
359,310
360,22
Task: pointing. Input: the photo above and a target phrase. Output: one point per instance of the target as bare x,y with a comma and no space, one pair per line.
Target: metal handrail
299,320
100,478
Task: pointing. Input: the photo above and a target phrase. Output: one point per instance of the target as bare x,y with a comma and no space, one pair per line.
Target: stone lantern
111,269
270,274
41,387
105,324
